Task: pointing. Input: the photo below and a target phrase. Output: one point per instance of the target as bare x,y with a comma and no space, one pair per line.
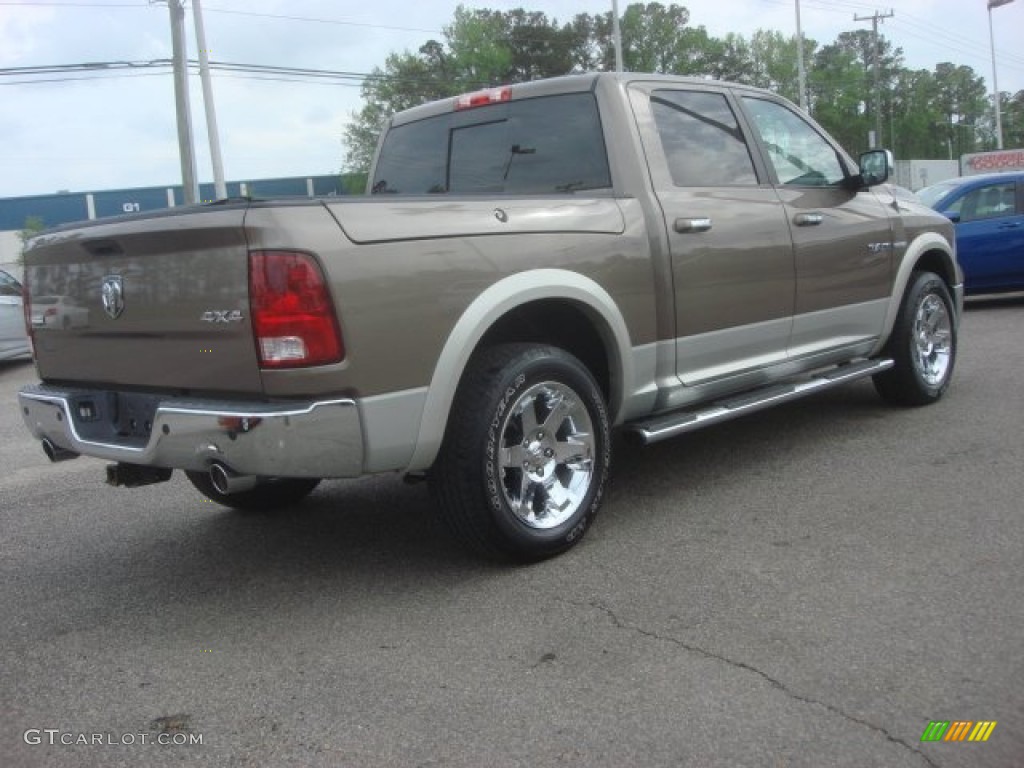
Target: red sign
996,161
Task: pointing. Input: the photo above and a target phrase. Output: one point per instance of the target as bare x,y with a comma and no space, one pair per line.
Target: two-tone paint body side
418,282
920,241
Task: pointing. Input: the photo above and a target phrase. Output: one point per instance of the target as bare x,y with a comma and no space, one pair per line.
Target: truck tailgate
159,301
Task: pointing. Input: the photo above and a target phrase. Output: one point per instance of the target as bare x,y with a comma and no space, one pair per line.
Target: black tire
509,495
270,495
922,346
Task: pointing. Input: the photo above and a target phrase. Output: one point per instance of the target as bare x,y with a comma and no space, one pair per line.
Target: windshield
931,195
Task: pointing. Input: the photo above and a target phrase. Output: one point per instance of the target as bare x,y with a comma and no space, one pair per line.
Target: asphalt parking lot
809,586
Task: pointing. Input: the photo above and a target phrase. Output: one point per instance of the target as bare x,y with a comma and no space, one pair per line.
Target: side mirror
875,166
953,216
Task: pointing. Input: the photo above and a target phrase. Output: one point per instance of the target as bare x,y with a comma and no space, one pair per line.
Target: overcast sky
112,132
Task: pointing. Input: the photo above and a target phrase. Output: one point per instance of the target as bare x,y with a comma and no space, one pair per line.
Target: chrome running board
674,423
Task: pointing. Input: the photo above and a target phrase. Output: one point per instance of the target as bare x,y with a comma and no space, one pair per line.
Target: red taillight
51,312
27,304
292,314
26,308
483,98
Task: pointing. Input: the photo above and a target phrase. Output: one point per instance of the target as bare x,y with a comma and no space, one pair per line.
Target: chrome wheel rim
933,339
546,455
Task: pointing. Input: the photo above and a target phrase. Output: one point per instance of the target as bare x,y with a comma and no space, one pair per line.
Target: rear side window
701,139
545,145
989,202
8,285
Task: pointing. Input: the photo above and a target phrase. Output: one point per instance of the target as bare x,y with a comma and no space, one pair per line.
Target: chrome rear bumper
321,438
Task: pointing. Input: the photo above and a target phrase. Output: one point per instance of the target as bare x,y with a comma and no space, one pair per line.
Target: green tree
33,226
773,63
837,90
913,128
1012,118
698,53
539,47
651,39
657,38
477,49
730,59
924,114
406,80
353,183
480,48
962,102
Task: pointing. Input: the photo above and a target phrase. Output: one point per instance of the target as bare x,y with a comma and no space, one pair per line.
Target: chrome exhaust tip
226,481
55,453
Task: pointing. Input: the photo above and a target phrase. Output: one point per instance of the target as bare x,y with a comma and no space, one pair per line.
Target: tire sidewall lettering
575,527
932,287
491,452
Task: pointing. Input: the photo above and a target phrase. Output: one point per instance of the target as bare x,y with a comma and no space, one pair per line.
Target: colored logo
958,730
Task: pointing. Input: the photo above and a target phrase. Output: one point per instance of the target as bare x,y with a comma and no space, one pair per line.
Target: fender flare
497,300
923,243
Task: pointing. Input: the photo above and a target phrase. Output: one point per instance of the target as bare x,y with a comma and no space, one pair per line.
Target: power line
286,17
109,76
242,71
73,5
97,70
338,84
918,28
921,29
874,19
307,75
211,9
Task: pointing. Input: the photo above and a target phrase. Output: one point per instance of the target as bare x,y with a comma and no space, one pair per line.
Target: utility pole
800,71
995,81
874,19
220,188
181,103
616,36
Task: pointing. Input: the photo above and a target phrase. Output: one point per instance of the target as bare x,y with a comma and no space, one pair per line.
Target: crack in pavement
778,684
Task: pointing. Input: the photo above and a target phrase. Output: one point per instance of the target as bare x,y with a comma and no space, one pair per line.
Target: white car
13,337
58,312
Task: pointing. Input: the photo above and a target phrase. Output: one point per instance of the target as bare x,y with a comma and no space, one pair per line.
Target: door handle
1010,225
684,226
808,219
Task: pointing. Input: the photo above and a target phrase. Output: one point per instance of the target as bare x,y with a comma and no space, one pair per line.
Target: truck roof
558,85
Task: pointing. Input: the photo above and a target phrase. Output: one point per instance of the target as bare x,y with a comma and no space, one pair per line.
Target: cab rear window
546,145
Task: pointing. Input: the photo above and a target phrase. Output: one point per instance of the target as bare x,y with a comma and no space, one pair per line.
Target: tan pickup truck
534,266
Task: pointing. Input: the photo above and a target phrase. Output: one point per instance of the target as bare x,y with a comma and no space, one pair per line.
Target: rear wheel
922,344
523,467
272,494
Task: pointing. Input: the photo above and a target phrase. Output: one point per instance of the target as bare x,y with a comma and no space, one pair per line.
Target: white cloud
120,132
20,28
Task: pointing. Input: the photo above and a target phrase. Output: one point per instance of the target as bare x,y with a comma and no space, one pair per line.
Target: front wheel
524,463
922,345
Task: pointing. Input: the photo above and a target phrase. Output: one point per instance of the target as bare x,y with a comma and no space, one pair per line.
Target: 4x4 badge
112,294
221,316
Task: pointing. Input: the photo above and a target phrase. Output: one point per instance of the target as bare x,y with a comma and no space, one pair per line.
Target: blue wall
50,208
64,208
